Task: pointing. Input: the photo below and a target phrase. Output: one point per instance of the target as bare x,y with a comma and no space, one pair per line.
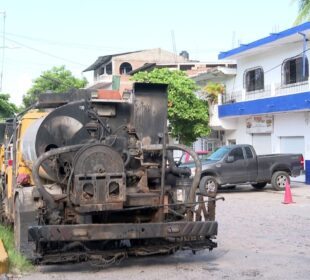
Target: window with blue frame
254,79
295,70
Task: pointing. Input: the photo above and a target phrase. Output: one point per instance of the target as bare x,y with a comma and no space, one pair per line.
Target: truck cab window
248,152
237,153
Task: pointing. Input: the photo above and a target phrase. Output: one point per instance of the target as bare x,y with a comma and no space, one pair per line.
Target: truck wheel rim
281,181
211,186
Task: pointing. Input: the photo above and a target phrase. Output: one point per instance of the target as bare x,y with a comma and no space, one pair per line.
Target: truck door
250,165
233,171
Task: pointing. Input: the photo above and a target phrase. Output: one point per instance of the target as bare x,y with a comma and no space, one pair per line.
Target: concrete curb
4,259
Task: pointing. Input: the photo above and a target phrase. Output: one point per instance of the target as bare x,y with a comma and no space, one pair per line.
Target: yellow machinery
6,160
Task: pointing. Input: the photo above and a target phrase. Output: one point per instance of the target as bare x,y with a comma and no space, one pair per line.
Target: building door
293,145
262,143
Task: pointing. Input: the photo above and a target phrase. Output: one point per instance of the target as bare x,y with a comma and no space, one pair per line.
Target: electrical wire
62,44
46,53
274,67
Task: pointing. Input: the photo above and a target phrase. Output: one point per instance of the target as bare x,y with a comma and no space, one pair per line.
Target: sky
41,34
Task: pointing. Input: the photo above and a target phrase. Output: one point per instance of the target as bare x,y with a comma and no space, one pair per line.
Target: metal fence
235,96
291,89
257,94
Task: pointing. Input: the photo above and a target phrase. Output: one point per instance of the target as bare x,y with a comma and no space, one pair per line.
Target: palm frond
304,13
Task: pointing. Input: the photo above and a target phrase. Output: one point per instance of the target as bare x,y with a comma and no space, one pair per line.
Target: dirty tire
279,179
208,186
259,186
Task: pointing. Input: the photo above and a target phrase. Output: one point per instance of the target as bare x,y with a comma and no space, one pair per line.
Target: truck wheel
279,179
208,186
259,186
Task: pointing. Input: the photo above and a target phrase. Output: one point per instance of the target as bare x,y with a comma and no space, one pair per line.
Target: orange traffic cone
288,195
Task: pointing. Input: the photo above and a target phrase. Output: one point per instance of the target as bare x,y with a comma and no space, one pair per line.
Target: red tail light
10,162
302,161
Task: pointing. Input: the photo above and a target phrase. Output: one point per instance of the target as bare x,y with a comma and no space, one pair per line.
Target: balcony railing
235,96
292,88
269,91
104,78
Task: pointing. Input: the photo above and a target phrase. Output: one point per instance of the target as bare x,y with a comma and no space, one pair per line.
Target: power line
275,67
272,68
64,44
45,53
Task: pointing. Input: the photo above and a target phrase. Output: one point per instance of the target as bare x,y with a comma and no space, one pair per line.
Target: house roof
211,73
145,67
274,39
104,59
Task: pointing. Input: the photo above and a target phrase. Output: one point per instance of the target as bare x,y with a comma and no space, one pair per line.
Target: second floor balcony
271,90
273,99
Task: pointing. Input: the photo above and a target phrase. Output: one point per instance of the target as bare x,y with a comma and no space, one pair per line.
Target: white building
267,103
216,72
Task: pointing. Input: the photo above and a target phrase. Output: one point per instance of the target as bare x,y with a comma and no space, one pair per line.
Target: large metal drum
62,127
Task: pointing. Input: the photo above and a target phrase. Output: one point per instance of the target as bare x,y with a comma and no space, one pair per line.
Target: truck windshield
219,154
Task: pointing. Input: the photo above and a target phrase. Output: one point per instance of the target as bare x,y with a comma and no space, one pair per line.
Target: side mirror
230,159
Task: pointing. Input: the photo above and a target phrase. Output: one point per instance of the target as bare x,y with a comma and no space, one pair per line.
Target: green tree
187,114
7,109
57,80
304,11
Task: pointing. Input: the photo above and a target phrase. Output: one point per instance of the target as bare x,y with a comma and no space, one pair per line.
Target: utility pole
3,49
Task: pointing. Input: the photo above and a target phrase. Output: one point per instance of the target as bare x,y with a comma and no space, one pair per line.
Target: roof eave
266,40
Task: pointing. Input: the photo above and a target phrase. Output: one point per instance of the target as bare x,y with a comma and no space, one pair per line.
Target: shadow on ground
179,258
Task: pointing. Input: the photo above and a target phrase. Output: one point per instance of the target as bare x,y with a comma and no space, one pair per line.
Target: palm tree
211,92
304,11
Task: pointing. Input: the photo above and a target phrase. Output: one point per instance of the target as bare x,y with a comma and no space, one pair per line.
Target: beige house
113,71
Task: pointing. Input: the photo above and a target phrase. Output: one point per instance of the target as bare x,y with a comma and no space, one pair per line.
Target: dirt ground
259,238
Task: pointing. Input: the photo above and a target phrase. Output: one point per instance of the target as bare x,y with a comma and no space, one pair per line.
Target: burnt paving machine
85,178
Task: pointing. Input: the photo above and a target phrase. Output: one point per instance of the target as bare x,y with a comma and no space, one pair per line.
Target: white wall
272,58
285,125
292,124
239,134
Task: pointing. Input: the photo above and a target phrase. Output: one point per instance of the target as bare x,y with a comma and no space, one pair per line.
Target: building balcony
271,90
102,81
104,78
273,99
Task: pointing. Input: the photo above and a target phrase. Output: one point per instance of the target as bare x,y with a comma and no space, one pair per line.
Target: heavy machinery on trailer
87,178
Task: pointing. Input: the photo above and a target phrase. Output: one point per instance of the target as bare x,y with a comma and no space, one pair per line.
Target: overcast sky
42,34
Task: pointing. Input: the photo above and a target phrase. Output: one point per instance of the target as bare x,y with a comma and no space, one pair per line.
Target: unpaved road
259,238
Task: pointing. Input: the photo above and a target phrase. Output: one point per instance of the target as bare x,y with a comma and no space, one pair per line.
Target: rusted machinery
85,178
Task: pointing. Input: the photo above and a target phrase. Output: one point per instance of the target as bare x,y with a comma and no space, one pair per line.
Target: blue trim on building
273,37
285,103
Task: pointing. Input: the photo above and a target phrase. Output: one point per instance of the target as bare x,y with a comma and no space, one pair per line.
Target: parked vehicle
239,164
85,178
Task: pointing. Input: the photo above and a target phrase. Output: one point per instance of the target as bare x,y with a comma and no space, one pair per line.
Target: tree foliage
57,80
7,109
212,90
187,114
304,11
